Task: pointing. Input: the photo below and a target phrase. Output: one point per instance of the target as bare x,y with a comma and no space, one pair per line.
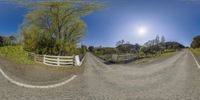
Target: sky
136,21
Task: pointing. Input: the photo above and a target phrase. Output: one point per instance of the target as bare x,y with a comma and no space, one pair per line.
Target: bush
196,42
16,54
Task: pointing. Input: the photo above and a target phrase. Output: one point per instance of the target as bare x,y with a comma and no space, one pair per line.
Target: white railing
56,60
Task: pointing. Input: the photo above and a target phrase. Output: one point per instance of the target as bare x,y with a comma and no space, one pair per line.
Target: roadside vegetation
195,45
7,40
196,51
49,27
16,54
55,28
11,50
129,52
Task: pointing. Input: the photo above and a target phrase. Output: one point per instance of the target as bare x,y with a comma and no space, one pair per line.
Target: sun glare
142,31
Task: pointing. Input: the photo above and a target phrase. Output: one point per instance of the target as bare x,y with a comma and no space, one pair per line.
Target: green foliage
161,48
168,53
196,42
151,47
105,51
155,41
128,48
5,41
143,51
16,54
172,46
83,49
196,51
91,48
121,42
55,27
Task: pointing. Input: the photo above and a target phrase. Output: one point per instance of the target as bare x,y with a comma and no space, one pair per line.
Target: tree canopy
196,42
55,27
128,48
7,40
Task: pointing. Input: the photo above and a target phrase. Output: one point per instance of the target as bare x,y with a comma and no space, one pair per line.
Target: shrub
16,54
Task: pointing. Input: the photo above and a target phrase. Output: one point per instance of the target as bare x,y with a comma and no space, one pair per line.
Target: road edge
36,86
198,65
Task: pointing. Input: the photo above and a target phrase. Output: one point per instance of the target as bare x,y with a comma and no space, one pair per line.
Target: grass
16,54
145,59
141,58
168,53
196,51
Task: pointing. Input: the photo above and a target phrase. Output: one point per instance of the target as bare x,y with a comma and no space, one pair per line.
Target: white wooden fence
56,60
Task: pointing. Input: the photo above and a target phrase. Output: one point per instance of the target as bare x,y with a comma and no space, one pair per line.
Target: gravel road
174,78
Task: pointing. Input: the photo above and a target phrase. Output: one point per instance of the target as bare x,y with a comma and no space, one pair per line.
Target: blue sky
177,20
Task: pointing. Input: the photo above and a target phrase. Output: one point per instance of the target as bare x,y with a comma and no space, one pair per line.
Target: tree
144,51
1,40
196,42
55,27
5,41
158,46
128,48
12,40
121,42
91,48
149,43
157,40
162,39
173,45
83,49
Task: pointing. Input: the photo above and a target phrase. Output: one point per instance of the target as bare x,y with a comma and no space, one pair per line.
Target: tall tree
157,40
162,39
55,27
121,42
196,42
7,40
91,48
1,40
12,39
83,49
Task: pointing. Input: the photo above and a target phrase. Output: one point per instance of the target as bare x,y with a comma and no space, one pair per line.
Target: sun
142,31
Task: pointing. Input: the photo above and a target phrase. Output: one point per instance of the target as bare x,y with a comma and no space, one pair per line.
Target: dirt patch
38,73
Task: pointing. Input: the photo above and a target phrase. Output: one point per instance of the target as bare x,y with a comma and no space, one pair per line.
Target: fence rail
58,60
55,60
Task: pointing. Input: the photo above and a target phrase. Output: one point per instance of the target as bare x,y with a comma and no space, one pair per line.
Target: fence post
44,59
77,60
34,57
74,58
58,61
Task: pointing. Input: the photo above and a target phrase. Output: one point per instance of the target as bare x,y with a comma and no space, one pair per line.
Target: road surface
174,78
